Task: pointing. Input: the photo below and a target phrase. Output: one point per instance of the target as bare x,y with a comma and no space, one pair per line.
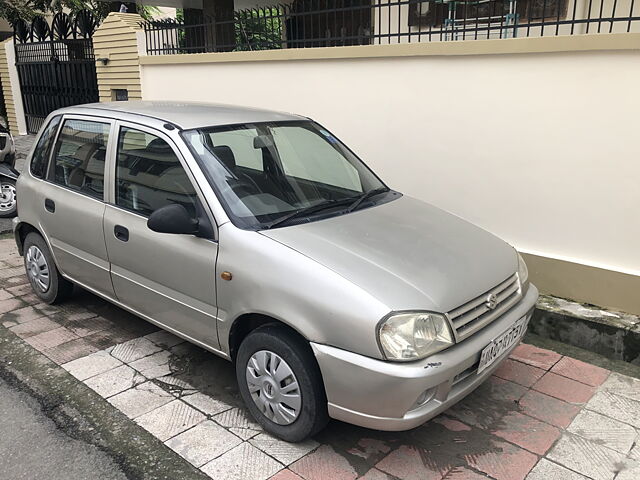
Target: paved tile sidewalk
542,416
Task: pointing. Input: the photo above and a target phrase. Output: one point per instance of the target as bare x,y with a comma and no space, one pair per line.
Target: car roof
185,115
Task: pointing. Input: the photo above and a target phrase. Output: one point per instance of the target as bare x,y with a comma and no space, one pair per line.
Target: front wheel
8,199
281,384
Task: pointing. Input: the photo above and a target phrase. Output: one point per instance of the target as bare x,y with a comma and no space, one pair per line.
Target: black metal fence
56,64
329,23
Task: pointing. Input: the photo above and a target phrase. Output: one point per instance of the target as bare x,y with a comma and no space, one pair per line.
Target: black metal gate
56,64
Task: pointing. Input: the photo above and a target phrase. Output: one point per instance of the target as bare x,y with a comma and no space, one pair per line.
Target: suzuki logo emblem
492,301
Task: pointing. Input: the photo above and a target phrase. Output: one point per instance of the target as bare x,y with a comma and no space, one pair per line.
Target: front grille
475,314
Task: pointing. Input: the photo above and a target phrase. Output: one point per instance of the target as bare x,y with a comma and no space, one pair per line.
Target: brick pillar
119,40
11,89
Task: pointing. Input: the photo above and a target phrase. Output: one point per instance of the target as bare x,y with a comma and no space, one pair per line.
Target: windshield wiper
368,194
308,210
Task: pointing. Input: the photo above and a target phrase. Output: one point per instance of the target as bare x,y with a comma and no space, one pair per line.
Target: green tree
14,10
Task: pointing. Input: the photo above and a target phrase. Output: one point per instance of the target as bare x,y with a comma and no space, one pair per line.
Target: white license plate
498,346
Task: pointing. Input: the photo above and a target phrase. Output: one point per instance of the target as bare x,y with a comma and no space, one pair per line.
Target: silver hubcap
7,197
274,387
37,268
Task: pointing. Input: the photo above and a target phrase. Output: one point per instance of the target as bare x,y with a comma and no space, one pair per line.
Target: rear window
79,158
42,152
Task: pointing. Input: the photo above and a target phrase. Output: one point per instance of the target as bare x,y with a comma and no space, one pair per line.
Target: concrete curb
614,335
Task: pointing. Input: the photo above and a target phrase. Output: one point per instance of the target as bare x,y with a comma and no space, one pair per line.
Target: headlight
523,272
411,336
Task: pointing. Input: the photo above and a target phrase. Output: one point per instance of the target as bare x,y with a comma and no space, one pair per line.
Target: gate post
11,89
118,45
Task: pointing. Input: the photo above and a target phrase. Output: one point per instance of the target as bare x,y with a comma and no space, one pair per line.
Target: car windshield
279,173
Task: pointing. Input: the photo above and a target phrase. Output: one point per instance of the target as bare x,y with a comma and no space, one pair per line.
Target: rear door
169,278
72,201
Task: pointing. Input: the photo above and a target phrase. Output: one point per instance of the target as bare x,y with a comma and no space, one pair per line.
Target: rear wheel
8,199
281,384
43,275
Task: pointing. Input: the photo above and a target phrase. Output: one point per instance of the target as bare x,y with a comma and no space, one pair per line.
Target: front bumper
382,395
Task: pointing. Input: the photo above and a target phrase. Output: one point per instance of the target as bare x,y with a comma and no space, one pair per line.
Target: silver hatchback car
262,238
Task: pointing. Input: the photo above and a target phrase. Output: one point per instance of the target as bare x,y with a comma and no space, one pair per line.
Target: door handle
121,233
49,205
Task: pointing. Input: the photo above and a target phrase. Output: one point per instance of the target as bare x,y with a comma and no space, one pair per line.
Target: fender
8,171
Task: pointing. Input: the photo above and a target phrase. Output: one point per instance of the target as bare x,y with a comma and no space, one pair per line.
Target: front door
73,202
169,278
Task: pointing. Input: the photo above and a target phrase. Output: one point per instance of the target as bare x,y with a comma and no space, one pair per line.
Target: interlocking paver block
409,463
586,457
154,366
564,388
615,406
285,452
580,371
68,351
527,432
488,403
635,452
238,421
52,338
322,464
287,474
22,315
623,385
19,290
10,304
503,461
519,372
170,419
203,443
4,294
164,339
134,349
34,327
206,404
30,299
604,431
629,471
538,357
106,339
91,365
373,474
88,325
461,473
372,450
140,399
548,409
244,462
546,470
115,381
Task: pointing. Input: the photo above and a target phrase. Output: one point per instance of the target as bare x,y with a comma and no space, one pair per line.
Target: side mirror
172,218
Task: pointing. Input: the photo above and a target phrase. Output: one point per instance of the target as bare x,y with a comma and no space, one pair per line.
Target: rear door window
79,156
42,152
149,174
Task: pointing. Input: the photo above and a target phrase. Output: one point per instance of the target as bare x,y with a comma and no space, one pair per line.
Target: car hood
406,253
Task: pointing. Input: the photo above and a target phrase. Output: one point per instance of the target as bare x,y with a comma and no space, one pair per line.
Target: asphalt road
23,144
34,448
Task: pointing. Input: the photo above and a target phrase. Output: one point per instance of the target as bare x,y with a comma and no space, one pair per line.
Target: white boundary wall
543,148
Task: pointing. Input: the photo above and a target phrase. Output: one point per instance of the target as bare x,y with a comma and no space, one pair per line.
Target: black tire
295,351
59,288
8,187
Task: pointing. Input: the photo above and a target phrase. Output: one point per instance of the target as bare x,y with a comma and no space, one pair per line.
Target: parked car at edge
8,174
262,238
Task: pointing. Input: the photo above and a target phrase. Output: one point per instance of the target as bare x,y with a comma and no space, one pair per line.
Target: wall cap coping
568,43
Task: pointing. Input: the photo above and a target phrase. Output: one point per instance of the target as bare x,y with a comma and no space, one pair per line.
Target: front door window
149,174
